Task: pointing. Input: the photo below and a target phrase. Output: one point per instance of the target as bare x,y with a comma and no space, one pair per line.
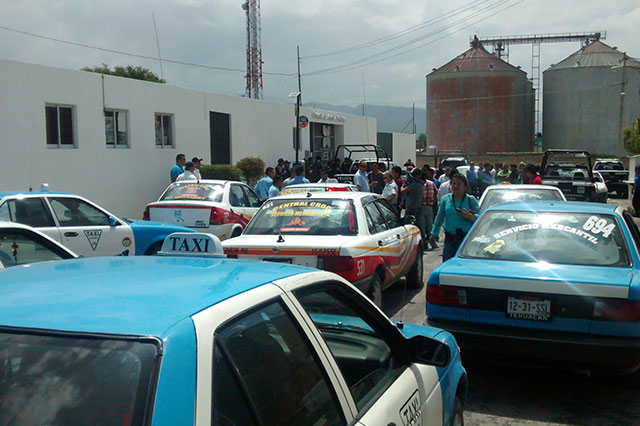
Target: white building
114,139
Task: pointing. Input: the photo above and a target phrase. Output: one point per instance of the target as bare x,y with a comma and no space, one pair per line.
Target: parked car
221,207
614,174
192,338
451,158
354,234
571,171
22,245
497,194
545,282
83,226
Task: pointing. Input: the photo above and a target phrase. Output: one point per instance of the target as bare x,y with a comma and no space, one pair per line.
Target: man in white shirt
197,162
188,174
390,190
324,177
444,189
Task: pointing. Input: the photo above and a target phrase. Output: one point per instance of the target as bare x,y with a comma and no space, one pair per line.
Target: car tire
236,233
415,274
457,417
375,290
153,249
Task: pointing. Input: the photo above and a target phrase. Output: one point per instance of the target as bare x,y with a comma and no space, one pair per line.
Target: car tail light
446,295
337,189
145,215
215,218
616,310
336,263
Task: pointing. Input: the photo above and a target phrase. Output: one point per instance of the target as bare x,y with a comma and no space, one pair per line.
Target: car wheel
375,290
153,249
457,418
236,233
415,275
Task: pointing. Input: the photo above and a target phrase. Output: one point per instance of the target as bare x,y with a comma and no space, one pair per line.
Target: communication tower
254,49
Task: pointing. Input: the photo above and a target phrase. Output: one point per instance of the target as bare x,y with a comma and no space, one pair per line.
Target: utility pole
413,120
298,103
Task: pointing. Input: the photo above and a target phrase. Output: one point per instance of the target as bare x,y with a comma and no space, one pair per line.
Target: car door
240,206
258,364
386,240
404,244
31,211
368,351
86,229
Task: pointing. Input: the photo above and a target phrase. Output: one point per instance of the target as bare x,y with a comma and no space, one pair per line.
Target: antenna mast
254,49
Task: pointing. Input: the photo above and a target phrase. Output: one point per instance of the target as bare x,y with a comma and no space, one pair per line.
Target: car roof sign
192,244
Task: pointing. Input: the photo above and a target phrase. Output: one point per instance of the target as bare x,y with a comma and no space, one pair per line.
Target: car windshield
194,191
67,380
609,166
305,217
559,238
498,196
20,247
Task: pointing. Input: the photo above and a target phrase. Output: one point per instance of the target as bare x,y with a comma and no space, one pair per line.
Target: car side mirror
425,350
409,220
113,221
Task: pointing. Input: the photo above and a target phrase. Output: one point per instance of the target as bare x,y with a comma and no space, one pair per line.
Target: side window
75,212
392,218
29,211
361,352
4,212
376,222
21,247
633,229
236,196
254,201
280,376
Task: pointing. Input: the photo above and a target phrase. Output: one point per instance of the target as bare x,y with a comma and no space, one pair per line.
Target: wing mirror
425,350
409,220
113,221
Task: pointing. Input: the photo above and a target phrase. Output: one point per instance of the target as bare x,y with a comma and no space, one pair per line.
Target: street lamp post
297,116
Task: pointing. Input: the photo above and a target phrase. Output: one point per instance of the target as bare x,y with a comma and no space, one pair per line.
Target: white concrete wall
404,147
125,180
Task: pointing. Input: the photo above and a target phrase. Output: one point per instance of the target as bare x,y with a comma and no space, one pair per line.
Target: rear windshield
567,172
560,238
305,217
609,166
194,191
497,196
52,380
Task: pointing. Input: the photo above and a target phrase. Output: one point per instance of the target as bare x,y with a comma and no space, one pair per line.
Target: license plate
278,259
528,309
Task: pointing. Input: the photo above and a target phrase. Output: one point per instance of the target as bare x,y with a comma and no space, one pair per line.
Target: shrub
252,169
631,137
220,171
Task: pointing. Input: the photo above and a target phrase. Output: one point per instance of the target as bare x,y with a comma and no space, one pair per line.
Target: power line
401,32
135,55
372,60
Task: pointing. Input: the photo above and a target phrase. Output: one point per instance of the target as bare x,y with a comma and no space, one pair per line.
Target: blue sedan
545,281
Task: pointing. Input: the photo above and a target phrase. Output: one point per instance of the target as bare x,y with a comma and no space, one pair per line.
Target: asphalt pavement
512,395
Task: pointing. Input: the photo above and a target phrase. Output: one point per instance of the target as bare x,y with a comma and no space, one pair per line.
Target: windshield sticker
297,222
279,210
495,247
482,239
558,227
295,229
351,218
599,225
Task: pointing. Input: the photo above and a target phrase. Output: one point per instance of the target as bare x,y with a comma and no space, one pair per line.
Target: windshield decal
598,225
558,227
495,247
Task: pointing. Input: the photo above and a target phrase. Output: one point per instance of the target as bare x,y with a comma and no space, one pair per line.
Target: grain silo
588,98
480,103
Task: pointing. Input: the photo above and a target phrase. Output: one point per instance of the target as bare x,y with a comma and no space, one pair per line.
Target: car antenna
280,238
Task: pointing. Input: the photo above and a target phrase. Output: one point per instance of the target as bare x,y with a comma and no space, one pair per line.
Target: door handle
70,234
398,236
380,243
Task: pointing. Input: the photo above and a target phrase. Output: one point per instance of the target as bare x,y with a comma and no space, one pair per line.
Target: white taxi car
222,208
234,342
357,235
22,245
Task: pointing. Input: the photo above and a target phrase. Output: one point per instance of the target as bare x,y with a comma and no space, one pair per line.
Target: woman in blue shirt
457,212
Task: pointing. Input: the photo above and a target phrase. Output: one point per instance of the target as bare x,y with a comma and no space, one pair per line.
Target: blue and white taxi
357,235
552,281
81,225
220,207
192,338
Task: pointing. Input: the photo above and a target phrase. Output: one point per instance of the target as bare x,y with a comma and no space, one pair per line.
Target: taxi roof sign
192,244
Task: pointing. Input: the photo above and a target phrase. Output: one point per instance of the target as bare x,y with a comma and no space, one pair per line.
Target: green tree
138,73
252,169
631,138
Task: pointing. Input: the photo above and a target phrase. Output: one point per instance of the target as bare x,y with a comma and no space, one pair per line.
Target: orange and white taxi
357,235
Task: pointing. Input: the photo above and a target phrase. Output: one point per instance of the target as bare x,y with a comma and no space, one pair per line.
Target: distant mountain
390,118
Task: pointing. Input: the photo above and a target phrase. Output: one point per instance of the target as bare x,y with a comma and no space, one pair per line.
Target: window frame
366,211
59,224
244,196
47,209
115,144
74,138
37,239
247,195
172,132
386,204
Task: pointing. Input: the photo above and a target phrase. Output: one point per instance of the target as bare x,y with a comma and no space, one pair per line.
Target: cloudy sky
212,33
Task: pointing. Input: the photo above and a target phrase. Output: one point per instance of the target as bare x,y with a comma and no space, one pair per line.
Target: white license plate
527,309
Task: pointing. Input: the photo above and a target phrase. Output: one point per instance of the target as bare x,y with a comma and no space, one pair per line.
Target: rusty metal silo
480,103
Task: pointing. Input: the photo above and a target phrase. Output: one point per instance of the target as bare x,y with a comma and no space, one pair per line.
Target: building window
59,119
116,128
164,131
